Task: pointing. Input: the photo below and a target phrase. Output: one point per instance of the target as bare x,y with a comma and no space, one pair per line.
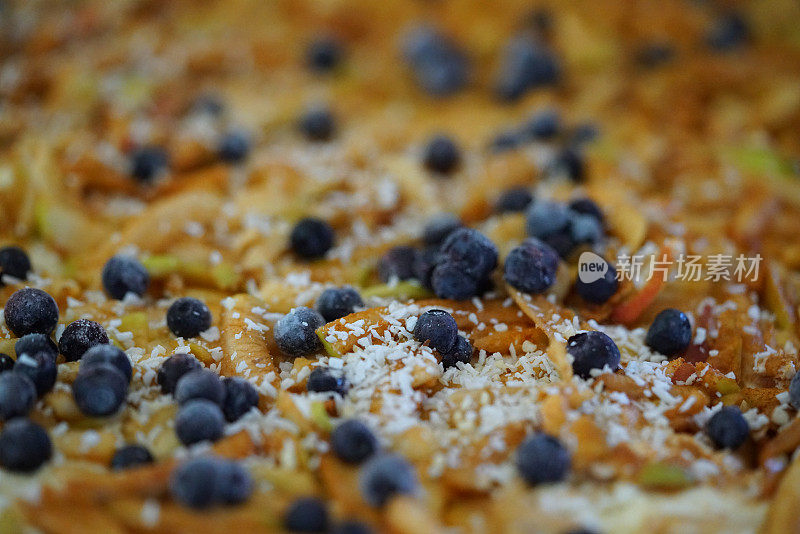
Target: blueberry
424,263
592,350
234,147
384,476
108,354
582,134
461,352
440,68
79,336
525,65
438,329
30,310
187,317
471,250
31,343
397,263
542,459
306,514
148,162
439,227
199,420
6,362
336,302
587,206
670,333
324,379
352,527
513,200
531,267
24,446
131,456
100,390
600,290
174,368
14,262
353,442
311,238
728,32
200,384
728,428
17,395
450,281
794,391
568,163
545,218
240,397
544,125
318,124
324,54
123,275
234,483
441,155
295,332
40,367
505,141
561,242
584,228
195,482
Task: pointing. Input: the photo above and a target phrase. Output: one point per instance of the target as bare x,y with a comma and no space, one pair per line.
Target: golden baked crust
696,156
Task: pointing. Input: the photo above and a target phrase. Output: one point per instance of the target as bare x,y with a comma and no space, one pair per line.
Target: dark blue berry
353,442
234,483
728,428
728,32
131,456
318,124
385,476
471,250
295,332
439,227
397,263
174,368
24,446
195,482
461,352
41,368
111,355
79,336
505,141
123,275
585,228
670,333
525,65
6,362
336,302
568,163
200,384
561,242
30,310
234,147
199,420
148,162
32,343
587,206
794,391
545,218
440,68
582,134
240,397
441,155
542,459
14,262
324,379
544,125
17,395
450,281
352,527
531,267
424,262
513,200
187,317
438,329
592,350
600,290
311,238
324,54
306,514
100,390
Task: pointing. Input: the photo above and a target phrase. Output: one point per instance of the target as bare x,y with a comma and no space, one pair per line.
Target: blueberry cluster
439,330
463,264
209,480
526,64
565,226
